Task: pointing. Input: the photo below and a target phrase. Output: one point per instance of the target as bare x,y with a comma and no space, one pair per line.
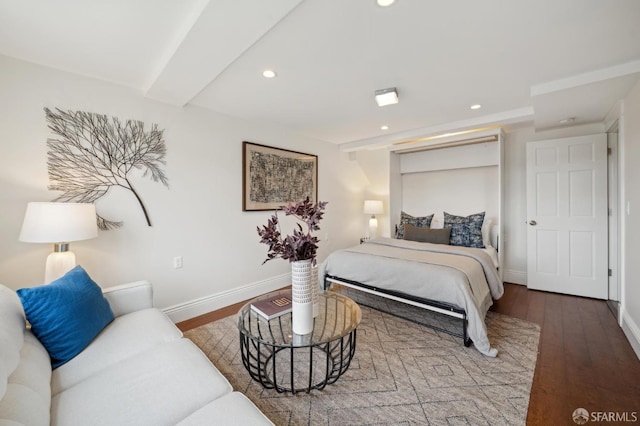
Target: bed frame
431,305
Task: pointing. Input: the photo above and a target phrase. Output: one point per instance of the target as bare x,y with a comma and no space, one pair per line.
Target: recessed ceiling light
385,3
269,73
385,127
567,120
475,106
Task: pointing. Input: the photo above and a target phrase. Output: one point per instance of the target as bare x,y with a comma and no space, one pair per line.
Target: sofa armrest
131,297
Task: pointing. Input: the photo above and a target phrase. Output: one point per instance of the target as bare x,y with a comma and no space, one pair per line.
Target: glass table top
337,317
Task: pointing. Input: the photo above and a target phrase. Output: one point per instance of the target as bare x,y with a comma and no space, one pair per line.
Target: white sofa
138,371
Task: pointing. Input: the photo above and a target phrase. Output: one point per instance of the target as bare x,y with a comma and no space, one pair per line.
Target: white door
567,216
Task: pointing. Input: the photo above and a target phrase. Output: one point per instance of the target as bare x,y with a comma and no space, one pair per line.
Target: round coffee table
279,359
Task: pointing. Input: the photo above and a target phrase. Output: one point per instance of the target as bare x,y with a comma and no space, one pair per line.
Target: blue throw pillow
466,231
67,314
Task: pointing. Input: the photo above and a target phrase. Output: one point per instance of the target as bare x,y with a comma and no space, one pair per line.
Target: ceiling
533,62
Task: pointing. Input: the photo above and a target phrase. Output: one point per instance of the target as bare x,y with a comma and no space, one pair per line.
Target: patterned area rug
403,373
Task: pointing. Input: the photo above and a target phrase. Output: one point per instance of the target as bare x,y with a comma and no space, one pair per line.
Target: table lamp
59,223
373,207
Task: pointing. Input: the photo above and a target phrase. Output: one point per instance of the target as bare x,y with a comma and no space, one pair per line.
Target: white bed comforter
461,276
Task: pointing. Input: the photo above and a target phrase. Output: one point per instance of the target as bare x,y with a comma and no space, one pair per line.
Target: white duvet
461,276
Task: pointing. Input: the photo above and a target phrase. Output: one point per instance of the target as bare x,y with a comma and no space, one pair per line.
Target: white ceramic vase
315,288
302,297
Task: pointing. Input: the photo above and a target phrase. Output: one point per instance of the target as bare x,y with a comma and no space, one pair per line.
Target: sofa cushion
22,406
12,326
158,387
126,336
232,409
130,297
66,314
28,396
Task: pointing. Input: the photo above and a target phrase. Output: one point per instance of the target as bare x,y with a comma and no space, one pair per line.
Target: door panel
567,216
547,196
547,244
581,259
581,196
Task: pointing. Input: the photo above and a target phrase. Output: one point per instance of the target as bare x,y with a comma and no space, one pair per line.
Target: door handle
533,223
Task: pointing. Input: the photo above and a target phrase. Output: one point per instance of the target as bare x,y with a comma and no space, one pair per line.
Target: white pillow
437,222
486,231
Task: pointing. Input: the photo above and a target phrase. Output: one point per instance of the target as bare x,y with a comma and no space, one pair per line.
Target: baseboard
203,305
515,277
632,331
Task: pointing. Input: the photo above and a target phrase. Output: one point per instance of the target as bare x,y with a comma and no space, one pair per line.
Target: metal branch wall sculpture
93,154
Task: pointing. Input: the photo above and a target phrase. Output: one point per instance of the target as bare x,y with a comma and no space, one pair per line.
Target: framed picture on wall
274,177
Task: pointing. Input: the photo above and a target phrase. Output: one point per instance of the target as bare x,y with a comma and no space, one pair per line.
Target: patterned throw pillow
465,231
417,221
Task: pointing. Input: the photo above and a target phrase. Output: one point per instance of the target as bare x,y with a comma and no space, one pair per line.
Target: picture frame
275,177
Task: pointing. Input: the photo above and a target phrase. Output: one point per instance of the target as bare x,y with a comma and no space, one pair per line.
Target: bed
452,280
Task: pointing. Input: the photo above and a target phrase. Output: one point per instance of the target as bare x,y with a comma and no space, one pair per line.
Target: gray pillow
426,235
419,221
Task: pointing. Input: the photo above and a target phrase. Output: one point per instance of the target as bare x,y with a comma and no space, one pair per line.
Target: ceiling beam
219,34
586,78
515,116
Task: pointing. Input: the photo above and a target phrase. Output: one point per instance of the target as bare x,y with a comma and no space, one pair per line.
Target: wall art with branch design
92,153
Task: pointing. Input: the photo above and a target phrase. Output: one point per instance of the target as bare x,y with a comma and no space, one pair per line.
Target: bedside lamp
373,207
59,223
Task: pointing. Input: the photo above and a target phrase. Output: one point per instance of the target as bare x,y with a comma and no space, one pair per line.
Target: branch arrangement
301,245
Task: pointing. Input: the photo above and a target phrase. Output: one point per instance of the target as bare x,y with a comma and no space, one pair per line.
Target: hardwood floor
584,359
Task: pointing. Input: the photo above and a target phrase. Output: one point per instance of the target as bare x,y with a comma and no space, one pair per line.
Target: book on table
273,306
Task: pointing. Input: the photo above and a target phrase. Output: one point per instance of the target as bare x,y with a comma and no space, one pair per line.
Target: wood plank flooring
584,359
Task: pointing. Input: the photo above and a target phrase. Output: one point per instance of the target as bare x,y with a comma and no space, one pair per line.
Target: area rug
403,373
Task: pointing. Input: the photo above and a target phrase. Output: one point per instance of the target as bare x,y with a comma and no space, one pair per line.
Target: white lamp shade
59,222
373,207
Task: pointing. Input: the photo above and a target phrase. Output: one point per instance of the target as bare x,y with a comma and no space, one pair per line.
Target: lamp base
58,264
373,227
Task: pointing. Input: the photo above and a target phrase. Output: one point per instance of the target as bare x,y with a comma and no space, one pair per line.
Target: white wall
199,217
433,180
630,195
514,233
434,192
374,167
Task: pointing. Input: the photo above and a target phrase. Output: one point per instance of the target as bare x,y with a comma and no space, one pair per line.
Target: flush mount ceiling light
269,74
475,106
385,3
386,97
384,127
